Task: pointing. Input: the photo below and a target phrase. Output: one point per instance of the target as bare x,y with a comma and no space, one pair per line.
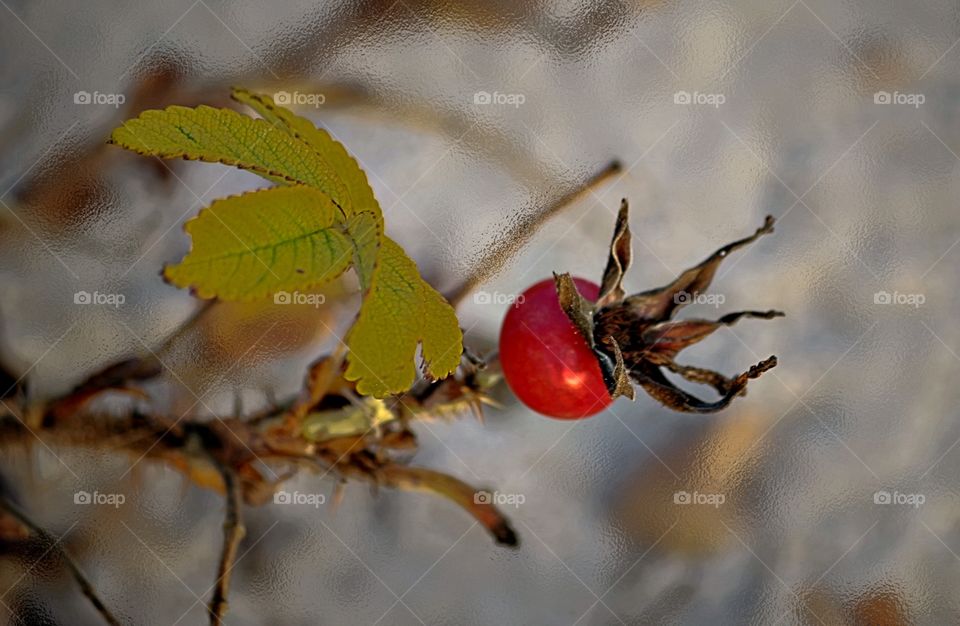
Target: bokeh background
838,472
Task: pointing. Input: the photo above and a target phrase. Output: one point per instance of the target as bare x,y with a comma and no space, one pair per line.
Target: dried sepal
653,381
634,337
702,376
611,287
577,308
660,304
580,312
614,370
666,339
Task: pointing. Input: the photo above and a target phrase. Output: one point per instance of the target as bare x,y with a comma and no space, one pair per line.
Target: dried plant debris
635,337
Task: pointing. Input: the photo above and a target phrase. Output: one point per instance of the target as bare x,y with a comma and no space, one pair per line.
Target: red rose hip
546,362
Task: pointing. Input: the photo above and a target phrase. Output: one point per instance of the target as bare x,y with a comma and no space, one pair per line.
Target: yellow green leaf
400,311
302,234
361,198
428,320
366,234
256,244
337,158
224,136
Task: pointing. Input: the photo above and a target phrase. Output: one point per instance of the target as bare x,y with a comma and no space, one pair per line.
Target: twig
476,502
498,255
233,532
205,307
85,585
120,374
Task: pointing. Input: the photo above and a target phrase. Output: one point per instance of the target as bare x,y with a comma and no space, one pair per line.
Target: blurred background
829,495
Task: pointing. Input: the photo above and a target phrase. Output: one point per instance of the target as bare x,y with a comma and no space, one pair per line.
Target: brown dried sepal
581,312
634,336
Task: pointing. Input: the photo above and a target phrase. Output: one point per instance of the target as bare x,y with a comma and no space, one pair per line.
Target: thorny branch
233,532
328,429
227,454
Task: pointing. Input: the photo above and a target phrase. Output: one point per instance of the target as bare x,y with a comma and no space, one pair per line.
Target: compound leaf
252,245
322,220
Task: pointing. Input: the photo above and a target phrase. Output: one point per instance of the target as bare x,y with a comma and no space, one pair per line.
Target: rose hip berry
546,362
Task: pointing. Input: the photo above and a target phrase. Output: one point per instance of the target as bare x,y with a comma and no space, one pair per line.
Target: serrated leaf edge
204,294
